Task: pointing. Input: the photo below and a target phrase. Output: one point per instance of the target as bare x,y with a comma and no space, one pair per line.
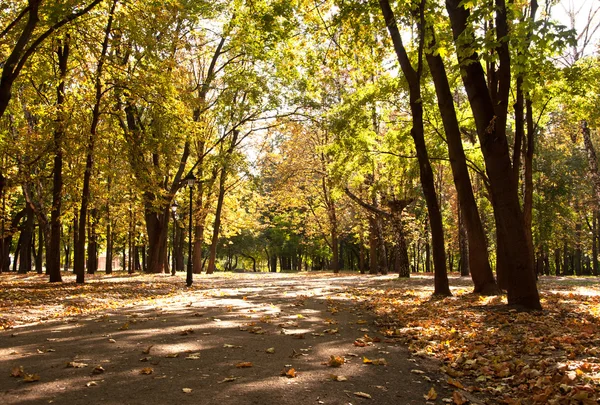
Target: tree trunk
478,260
53,259
79,250
25,242
490,119
373,250
217,224
595,243
109,246
362,264
413,77
39,257
463,242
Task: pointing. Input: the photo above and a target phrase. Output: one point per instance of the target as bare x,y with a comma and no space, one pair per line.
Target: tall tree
53,254
413,78
79,248
490,119
479,264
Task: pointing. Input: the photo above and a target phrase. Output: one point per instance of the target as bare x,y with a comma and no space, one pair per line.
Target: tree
413,78
490,116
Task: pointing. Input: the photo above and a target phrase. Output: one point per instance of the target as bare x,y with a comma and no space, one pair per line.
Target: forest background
368,136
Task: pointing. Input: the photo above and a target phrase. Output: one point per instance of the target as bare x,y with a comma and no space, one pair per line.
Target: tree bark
217,224
53,259
79,249
441,286
490,120
478,260
25,242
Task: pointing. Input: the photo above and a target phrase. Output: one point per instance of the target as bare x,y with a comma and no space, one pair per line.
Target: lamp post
174,211
190,180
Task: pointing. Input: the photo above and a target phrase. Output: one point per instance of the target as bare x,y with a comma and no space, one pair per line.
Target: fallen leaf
91,384
458,398
417,371
289,372
186,332
186,390
147,370
270,350
339,378
244,364
228,346
31,377
112,341
147,350
363,395
455,383
193,356
367,361
147,358
228,379
335,361
431,395
98,370
359,343
74,364
17,372
172,355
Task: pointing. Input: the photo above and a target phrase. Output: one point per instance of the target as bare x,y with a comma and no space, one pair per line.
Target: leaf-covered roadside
30,298
549,357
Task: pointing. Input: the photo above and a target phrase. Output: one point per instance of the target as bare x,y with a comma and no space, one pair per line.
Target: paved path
193,342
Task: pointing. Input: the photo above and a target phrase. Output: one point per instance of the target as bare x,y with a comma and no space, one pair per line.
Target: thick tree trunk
490,120
157,228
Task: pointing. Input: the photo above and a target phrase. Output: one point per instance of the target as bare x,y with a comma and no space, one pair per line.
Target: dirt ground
242,339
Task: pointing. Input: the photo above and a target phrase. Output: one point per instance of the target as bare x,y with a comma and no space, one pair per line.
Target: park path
190,349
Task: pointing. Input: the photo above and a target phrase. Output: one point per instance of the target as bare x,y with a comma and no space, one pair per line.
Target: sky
576,14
